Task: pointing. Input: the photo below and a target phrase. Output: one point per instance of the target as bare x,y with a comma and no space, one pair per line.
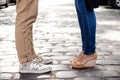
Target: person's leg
26,15
27,11
87,22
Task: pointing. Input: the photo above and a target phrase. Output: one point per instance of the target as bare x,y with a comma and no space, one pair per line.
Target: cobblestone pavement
57,36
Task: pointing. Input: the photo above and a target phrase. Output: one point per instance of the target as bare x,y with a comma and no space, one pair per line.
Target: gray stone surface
69,74
57,36
87,78
113,79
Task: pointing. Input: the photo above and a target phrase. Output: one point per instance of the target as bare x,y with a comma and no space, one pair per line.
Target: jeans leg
87,22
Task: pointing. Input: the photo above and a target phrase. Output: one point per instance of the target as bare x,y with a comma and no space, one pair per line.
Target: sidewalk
57,36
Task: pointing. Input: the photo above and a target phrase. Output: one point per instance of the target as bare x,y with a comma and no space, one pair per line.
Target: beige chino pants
27,11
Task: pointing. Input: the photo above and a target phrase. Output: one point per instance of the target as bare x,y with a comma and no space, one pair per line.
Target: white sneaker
34,67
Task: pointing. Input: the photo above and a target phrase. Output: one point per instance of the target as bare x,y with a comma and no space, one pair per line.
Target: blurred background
112,3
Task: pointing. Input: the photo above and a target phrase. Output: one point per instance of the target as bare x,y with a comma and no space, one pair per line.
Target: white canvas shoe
34,67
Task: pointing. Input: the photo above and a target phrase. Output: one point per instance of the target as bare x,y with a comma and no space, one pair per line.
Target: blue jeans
87,22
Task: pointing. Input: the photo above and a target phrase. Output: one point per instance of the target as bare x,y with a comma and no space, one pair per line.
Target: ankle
88,53
28,62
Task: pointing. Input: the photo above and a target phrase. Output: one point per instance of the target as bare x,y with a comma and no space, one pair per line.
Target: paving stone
113,67
108,62
56,62
102,73
109,49
100,58
104,53
6,63
54,79
68,74
43,76
1,52
112,57
31,76
75,48
9,69
72,53
42,50
60,67
41,43
63,50
13,52
100,67
52,54
65,62
88,78
113,79
100,45
5,76
56,41
16,76
62,58
116,53
7,56
54,46
9,60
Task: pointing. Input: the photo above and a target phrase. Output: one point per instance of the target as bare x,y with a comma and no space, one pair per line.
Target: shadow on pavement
24,76
109,7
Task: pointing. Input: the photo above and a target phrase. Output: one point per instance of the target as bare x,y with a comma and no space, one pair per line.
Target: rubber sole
89,64
36,72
